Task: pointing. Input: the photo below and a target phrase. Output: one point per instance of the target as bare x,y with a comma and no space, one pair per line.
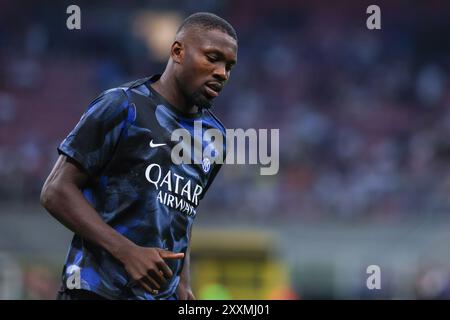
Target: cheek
197,77
196,71
201,68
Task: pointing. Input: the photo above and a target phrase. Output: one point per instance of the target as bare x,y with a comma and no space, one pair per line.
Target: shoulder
109,104
120,94
113,96
137,86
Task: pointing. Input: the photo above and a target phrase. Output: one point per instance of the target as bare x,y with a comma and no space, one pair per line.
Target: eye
212,57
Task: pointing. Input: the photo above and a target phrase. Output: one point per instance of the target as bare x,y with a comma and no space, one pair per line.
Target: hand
147,267
184,292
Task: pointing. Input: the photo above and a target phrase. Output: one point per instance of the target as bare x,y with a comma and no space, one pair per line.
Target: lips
213,88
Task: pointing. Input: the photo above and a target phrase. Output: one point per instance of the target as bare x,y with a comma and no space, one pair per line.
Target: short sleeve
93,140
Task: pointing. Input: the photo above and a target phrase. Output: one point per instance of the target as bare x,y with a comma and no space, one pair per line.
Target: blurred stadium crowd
364,116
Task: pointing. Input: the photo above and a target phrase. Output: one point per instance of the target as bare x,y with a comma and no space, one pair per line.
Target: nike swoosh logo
154,145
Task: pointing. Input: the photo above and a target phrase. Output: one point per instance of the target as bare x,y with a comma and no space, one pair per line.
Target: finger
191,296
149,281
174,256
165,269
146,287
170,255
158,276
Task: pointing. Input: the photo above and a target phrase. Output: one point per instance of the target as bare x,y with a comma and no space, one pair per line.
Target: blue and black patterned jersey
123,142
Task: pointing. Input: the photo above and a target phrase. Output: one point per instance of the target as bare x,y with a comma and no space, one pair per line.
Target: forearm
185,276
69,207
63,200
184,288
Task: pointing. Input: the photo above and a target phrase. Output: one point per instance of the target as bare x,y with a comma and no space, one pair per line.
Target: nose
221,73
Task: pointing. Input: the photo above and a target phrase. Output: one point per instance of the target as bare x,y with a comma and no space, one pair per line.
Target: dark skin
199,66
199,60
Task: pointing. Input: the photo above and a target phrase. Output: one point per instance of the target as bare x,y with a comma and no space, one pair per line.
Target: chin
201,101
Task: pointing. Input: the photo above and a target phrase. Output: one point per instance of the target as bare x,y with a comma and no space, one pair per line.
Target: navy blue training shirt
123,142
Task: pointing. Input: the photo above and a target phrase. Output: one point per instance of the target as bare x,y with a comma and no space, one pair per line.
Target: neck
168,88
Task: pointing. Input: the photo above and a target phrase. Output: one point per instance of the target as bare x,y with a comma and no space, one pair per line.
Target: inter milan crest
206,165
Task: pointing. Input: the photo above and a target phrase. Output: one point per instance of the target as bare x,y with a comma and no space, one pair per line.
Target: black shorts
78,294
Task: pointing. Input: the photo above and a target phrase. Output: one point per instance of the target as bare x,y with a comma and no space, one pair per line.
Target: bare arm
184,288
63,199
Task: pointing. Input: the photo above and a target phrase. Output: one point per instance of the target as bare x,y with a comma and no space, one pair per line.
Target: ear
177,52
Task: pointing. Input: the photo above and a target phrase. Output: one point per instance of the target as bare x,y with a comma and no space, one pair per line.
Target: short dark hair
208,21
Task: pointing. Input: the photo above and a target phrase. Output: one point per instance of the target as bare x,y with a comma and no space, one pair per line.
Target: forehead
214,39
